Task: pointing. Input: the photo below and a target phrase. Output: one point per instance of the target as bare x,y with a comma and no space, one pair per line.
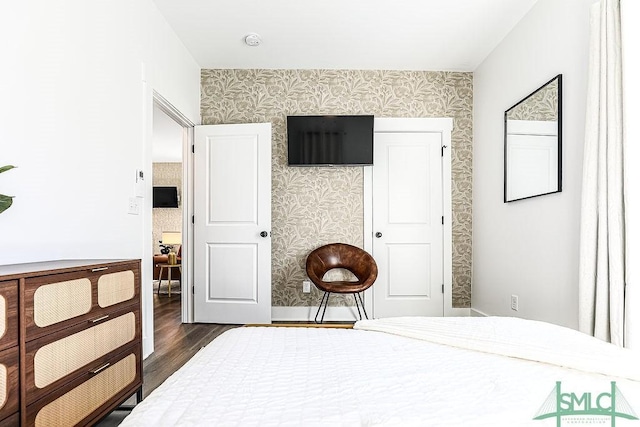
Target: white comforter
338,377
515,337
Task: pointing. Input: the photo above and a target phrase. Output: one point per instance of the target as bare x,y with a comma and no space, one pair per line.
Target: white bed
257,376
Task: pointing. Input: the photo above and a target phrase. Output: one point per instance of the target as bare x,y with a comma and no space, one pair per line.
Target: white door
232,204
407,224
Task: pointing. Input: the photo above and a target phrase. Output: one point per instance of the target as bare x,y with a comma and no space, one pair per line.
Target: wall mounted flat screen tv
165,197
330,140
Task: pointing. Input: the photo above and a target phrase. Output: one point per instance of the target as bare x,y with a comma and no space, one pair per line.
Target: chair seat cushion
342,287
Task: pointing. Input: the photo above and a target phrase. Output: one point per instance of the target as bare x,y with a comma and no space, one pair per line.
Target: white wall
72,121
630,10
76,118
530,248
167,138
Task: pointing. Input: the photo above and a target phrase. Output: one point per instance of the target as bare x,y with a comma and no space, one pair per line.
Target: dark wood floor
175,343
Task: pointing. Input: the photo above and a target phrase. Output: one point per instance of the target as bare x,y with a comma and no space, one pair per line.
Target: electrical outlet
306,286
514,302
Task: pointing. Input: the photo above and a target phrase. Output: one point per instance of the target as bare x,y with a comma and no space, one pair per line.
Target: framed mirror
533,144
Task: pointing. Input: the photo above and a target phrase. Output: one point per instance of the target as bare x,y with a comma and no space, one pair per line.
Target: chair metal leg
356,300
326,303
363,310
326,294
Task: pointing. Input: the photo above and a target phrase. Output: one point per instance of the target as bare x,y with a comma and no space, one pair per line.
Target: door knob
263,234
378,234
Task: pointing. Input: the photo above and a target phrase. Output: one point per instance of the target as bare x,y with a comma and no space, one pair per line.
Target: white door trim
367,190
443,126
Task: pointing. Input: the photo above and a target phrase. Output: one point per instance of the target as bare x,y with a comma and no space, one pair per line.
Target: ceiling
453,35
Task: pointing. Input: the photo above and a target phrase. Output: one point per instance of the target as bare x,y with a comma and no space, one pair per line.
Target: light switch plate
134,206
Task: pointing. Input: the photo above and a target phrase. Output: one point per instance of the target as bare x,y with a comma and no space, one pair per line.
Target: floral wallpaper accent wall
543,105
314,206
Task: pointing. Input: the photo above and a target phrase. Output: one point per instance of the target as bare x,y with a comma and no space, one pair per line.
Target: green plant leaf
5,202
6,168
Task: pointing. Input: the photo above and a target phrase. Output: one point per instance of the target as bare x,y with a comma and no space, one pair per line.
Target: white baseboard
306,314
478,313
456,312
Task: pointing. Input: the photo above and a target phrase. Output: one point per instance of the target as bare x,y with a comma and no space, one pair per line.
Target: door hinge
193,219
442,150
193,290
442,219
193,148
443,288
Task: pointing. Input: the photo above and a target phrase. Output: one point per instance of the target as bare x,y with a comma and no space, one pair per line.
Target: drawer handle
93,270
100,369
99,319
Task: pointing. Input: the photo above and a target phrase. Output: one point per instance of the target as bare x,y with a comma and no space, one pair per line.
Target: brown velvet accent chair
341,255
163,259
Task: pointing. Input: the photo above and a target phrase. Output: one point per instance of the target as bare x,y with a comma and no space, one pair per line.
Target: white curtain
602,239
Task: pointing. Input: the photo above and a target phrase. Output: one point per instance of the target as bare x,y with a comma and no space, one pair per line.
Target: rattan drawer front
8,314
57,302
60,358
114,288
9,388
79,403
54,360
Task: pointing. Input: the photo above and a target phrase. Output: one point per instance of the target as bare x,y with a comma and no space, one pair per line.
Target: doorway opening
172,138
167,215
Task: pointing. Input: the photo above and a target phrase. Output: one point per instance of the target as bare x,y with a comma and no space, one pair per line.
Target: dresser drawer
56,359
55,302
8,314
9,385
90,396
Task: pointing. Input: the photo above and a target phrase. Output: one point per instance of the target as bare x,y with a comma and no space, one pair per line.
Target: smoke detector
253,39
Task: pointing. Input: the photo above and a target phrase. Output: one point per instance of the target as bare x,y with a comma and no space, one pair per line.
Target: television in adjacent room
330,140
165,197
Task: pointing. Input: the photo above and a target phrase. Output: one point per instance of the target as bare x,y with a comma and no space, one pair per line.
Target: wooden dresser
70,341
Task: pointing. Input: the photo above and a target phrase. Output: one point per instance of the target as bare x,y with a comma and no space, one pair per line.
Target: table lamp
170,238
